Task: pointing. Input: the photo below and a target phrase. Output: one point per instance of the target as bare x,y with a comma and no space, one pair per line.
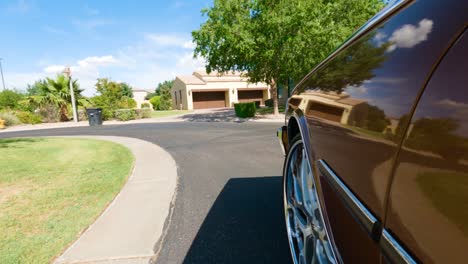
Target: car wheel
307,234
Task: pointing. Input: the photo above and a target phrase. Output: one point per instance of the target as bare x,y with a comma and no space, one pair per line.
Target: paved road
228,207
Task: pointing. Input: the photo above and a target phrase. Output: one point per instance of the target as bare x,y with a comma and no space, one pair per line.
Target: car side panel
356,107
429,197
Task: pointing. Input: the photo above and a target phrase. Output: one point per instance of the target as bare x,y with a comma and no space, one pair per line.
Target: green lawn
156,114
449,194
51,190
268,110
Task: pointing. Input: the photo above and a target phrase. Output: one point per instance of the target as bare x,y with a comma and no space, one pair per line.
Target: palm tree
56,93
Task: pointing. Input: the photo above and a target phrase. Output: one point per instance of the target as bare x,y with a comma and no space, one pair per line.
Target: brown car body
387,115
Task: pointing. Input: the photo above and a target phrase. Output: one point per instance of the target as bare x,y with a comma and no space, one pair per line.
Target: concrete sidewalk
206,115
127,231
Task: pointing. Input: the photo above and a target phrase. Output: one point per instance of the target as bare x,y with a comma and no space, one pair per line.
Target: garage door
251,96
325,111
203,100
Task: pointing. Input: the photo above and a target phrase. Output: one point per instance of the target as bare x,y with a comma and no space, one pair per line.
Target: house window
180,96
175,96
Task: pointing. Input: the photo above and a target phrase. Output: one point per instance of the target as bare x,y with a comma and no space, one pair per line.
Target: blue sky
138,42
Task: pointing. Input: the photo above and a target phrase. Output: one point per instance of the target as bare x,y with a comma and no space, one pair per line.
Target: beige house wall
139,97
230,84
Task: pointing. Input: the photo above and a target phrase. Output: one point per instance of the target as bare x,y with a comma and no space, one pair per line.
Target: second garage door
203,100
251,96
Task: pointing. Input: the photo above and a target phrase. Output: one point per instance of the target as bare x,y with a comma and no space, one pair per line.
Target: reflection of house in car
332,106
202,90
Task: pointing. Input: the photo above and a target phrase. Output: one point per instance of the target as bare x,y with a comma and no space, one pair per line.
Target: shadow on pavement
214,115
244,225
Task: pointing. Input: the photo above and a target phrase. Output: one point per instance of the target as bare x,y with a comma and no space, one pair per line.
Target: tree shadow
244,225
13,142
214,115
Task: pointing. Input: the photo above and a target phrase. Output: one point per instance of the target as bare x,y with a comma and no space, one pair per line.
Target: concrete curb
127,230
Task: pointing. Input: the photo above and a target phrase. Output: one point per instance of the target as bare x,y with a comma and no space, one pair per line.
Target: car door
428,209
355,109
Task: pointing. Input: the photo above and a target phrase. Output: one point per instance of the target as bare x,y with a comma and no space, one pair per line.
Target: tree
275,40
127,90
164,91
56,93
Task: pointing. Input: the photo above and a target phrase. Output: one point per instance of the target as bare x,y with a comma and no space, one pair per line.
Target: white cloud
409,35
187,60
86,70
143,64
174,40
97,61
452,104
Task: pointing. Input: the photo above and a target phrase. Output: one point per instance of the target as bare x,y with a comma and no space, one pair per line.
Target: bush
166,104
269,102
28,117
9,99
145,105
143,113
9,118
127,103
82,115
107,113
49,113
156,102
245,109
125,114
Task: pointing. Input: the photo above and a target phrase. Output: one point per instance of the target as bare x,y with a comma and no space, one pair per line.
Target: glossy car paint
354,112
429,197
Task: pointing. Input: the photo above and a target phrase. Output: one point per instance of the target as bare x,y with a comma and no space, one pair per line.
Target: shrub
145,105
28,117
125,114
143,113
269,102
49,114
127,103
9,99
9,118
82,115
107,113
245,109
165,104
156,102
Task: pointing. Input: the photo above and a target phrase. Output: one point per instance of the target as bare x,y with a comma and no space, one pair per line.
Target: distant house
139,96
202,90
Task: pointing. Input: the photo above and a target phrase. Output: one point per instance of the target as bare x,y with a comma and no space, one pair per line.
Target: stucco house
139,96
215,90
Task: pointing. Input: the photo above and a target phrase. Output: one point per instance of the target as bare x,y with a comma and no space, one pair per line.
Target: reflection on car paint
357,107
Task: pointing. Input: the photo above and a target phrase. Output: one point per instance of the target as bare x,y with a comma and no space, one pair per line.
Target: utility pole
67,72
1,71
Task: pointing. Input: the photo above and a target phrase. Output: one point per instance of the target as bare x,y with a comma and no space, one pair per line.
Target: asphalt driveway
228,207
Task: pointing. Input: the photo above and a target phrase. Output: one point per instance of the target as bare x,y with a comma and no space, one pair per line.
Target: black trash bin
94,116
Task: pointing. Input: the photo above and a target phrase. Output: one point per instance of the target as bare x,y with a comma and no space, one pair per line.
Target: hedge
245,109
156,102
145,105
28,117
143,113
125,114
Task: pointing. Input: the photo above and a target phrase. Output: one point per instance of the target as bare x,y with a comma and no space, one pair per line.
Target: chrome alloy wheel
307,234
